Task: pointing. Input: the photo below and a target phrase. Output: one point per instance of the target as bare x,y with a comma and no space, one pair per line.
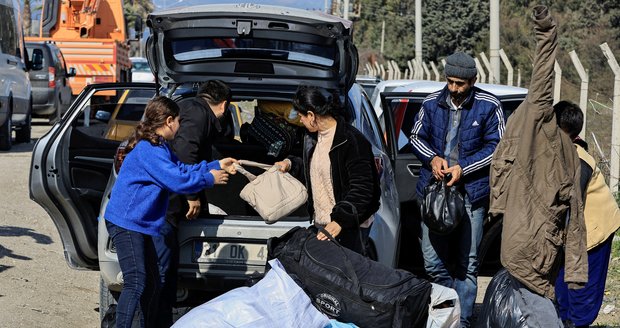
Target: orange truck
92,36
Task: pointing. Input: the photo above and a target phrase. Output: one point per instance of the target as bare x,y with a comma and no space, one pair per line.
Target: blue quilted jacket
482,126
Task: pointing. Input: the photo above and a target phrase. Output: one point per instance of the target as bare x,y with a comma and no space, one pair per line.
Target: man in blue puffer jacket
455,134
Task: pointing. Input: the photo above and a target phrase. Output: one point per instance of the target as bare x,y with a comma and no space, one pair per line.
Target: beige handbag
272,194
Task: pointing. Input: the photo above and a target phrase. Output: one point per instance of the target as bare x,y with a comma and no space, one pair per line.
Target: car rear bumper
211,275
43,101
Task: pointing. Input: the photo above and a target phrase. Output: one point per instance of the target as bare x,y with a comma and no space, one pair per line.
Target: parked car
262,52
51,91
140,70
15,88
399,109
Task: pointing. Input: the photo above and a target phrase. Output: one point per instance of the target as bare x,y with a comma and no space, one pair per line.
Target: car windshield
208,48
140,66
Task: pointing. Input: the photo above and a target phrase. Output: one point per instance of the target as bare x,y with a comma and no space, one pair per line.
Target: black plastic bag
501,305
442,207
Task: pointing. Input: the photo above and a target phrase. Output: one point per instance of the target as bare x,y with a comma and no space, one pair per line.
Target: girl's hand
333,228
220,176
227,164
194,209
284,165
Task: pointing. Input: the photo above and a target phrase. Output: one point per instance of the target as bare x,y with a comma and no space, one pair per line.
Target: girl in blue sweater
138,203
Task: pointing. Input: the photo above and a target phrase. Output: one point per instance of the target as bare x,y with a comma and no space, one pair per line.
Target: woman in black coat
338,168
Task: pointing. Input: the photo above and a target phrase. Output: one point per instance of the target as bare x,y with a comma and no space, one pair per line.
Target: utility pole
418,32
382,35
494,41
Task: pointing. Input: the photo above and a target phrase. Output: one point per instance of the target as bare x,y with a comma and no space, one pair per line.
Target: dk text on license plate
229,253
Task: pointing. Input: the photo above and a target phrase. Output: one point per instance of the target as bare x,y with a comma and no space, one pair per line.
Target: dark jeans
138,261
167,247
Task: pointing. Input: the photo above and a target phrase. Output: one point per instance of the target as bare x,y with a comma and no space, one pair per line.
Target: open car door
72,163
399,112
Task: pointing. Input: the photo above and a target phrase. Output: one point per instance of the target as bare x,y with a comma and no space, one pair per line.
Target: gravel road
37,287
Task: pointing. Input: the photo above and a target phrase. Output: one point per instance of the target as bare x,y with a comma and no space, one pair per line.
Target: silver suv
263,53
15,89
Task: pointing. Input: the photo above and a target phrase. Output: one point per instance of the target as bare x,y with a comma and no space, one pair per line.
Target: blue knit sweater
139,198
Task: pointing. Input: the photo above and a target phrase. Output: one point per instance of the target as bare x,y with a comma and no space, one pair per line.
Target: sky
303,4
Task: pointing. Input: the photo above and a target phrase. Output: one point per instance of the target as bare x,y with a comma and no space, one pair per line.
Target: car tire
24,133
107,299
5,133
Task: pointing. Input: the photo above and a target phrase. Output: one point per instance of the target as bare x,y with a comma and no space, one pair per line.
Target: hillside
451,26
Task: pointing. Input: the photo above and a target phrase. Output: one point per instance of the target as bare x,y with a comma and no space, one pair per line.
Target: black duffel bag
350,287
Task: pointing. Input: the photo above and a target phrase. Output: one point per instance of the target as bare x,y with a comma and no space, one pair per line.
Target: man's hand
220,176
227,164
438,165
284,165
457,173
333,228
194,209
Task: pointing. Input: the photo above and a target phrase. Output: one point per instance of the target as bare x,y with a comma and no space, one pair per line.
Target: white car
140,70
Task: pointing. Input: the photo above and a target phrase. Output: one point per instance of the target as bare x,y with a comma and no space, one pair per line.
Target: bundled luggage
350,287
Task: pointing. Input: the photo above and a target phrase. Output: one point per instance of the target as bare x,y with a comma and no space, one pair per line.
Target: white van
15,89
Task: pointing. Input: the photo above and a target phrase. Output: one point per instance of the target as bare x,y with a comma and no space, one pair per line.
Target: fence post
557,83
435,70
378,69
615,125
583,97
428,73
410,76
382,67
518,77
487,64
398,72
483,76
508,65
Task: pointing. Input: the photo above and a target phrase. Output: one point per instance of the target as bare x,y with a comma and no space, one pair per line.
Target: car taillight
51,77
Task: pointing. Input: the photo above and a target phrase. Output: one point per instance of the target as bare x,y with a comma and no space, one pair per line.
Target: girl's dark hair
156,112
318,100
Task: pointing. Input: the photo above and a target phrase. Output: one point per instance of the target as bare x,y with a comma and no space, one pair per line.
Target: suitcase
349,287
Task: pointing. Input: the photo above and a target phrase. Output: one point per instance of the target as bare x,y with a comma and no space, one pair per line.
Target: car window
404,112
8,32
140,66
113,115
369,124
207,48
510,105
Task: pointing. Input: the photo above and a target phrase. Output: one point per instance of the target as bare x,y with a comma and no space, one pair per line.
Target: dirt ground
38,289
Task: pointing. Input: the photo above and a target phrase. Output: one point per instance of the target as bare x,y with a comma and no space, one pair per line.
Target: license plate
230,253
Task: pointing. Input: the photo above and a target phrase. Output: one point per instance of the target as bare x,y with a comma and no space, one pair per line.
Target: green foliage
452,26
136,8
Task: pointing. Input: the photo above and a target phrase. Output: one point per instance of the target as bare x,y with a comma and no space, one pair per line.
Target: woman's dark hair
318,100
156,112
215,91
569,117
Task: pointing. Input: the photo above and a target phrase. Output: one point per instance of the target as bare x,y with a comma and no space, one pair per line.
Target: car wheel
24,133
5,133
107,304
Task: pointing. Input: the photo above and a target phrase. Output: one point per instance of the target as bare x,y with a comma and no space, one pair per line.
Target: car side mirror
36,64
71,72
103,116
